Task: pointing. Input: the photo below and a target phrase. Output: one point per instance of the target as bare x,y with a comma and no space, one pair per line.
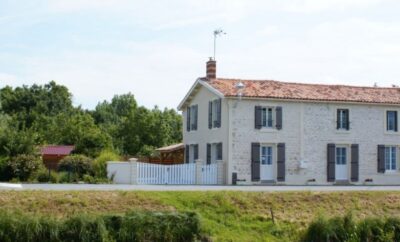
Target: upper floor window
214,114
191,117
390,158
267,117
342,119
391,121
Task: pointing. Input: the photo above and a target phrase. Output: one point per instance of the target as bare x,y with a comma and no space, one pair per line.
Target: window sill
392,133
392,172
268,130
342,131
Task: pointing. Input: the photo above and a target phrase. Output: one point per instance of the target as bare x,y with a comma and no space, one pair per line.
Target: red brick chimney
211,70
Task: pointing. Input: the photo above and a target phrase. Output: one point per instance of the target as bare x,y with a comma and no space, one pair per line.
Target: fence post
133,170
221,172
199,167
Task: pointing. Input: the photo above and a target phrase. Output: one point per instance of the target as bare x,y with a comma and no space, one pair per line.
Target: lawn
225,216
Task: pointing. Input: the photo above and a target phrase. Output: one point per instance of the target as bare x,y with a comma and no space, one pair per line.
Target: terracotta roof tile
302,91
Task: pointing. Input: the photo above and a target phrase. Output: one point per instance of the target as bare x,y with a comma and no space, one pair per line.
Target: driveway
111,187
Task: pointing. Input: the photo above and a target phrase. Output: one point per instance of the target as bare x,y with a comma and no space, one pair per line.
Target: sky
157,49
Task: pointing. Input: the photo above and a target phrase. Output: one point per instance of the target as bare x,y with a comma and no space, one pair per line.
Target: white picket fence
209,174
166,174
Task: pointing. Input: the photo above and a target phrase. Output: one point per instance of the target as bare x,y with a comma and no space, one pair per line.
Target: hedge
133,226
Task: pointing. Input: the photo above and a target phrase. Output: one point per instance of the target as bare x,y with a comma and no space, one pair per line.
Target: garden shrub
136,226
100,163
45,176
23,166
77,164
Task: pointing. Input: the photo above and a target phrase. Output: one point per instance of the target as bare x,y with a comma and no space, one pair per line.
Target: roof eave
198,82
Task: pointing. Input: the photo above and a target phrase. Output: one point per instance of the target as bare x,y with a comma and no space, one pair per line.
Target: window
214,114
191,116
341,156
391,121
267,117
390,158
343,119
214,152
266,155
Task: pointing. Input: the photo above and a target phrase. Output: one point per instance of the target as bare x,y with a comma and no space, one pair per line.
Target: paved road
110,187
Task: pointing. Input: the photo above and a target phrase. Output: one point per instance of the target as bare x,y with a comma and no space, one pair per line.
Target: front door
266,167
341,163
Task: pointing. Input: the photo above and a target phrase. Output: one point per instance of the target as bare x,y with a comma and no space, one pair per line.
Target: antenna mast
217,32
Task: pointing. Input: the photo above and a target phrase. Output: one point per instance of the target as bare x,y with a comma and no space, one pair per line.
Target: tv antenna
217,32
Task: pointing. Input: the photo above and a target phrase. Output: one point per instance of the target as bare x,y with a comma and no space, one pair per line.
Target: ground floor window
266,155
341,156
390,158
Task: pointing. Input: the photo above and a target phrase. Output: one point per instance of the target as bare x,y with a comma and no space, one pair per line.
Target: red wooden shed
52,154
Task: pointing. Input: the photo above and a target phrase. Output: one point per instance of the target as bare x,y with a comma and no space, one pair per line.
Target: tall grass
133,226
345,229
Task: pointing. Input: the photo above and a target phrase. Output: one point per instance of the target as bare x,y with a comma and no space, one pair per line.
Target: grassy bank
225,216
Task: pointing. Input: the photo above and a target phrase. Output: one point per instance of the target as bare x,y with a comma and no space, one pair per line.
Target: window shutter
219,151
219,113
196,152
331,163
338,119
381,158
188,119
281,162
255,161
208,154
210,104
258,118
187,154
354,162
347,119
196,107
395,121
278,111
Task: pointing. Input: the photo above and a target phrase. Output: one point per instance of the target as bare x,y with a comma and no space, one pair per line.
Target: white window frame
269,157
265,119
192,120
342,121
390,158
387,121
342,155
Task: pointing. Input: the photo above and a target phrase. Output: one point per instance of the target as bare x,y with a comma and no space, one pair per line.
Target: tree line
32,116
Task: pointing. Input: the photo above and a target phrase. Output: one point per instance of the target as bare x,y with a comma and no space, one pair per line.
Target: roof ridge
305,84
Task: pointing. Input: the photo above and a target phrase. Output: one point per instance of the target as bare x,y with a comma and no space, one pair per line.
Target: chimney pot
211,70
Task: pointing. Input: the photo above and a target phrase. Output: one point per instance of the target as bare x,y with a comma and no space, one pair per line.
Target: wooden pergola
172,154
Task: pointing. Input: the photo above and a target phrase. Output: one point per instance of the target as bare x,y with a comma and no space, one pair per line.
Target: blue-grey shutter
257,117
195,114
188,119
219,151
278,111
255,161
196,152
281,162
354,162
395,121
347,119
187,153
219,113
208,154
331,162
210,104
337,118
381,159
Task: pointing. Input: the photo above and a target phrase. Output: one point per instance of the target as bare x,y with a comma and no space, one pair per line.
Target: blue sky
156,49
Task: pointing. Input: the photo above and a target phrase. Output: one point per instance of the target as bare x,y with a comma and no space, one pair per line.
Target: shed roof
57,149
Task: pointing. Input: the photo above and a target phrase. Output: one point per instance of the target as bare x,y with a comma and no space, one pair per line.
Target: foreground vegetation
224,216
